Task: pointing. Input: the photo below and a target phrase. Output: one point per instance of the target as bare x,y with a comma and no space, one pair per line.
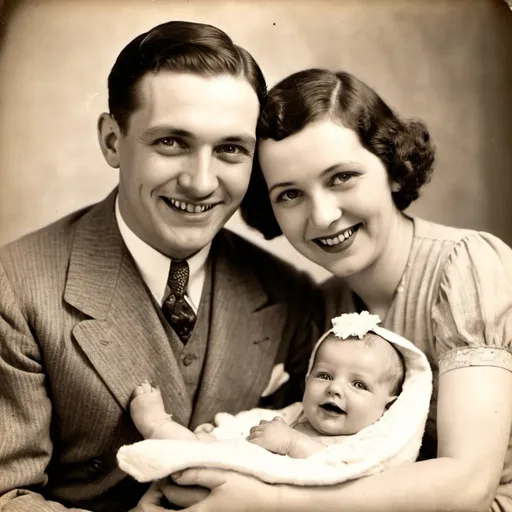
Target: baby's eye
324,376
289,195
360,385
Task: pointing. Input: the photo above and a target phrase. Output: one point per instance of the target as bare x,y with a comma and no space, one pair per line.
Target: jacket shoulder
51,243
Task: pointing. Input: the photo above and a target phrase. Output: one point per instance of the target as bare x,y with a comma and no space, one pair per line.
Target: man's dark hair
179,46
403,146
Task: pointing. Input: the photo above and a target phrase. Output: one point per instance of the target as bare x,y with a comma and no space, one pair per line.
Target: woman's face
330,196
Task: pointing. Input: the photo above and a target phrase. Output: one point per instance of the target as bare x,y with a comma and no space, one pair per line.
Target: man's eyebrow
244,139
166,130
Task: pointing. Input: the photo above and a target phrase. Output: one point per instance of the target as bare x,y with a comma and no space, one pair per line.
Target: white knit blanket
393,440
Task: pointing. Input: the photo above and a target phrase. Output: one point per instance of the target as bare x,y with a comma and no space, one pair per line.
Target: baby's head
351,382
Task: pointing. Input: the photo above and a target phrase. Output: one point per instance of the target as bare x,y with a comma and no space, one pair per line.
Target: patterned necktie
176,309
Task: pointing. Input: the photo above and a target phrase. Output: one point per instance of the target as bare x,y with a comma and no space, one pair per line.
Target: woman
338,168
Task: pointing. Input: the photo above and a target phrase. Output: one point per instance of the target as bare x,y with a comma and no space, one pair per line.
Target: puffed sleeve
472,315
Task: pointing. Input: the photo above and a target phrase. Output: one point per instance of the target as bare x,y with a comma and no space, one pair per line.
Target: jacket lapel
243,339
123,339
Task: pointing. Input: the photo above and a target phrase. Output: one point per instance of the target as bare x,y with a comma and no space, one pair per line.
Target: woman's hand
150,502
221,491
183,496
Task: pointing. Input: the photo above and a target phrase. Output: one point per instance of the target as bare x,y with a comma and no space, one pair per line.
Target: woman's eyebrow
280,185
341,166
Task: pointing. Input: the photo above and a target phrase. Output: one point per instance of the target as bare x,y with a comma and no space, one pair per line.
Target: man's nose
199,178
325,209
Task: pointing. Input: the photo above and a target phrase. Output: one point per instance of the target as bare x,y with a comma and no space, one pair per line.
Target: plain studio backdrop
447,62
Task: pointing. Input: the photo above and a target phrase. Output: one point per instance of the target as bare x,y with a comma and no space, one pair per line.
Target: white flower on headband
354,324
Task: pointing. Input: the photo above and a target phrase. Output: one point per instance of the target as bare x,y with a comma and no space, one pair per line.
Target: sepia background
448,62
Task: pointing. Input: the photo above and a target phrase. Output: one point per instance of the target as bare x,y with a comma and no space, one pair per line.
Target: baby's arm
276,436
149,416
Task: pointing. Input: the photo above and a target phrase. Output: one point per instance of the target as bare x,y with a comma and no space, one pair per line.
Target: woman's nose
325,210
199,178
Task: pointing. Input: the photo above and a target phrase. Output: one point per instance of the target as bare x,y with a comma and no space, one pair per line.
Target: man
146,285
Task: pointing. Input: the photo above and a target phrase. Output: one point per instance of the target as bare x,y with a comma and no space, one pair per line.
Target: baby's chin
328,430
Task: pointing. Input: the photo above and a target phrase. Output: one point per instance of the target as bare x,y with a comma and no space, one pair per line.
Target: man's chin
186,248
182,242
183,253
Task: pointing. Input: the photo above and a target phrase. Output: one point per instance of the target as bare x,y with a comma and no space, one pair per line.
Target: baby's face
347,388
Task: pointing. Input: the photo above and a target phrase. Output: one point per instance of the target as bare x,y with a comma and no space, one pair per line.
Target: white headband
356,325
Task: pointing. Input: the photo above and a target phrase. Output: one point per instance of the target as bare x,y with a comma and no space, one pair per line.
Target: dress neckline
358,305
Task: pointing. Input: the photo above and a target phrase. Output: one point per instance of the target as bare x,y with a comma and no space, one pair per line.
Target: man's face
186,158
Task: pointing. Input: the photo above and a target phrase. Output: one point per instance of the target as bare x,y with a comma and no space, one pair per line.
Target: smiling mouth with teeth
333,408
188,207
341,237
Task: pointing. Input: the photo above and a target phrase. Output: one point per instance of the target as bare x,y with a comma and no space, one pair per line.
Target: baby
354,376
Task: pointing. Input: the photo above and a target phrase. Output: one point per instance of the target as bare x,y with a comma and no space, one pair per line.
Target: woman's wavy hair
403,146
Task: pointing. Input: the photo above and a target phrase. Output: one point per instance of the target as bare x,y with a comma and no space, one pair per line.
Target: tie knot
178,277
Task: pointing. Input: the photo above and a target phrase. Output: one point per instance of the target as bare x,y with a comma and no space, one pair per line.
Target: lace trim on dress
475,356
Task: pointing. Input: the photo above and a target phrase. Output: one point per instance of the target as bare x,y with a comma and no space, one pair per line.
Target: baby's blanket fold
393,440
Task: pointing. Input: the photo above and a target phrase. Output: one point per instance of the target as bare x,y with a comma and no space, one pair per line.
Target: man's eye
233,153
232,149
170,142
289,195
360,385
341,178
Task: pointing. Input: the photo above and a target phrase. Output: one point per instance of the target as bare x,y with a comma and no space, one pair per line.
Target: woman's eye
289,195
360,385
341,178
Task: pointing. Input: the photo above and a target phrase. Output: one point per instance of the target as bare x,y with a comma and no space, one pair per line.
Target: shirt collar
154,266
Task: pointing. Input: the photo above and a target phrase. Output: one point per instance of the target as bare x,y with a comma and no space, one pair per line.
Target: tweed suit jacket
79,330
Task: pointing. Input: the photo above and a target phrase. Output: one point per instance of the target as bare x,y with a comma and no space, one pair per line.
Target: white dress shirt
154,266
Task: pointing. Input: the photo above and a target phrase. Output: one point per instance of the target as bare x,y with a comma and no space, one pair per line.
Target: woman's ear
395,187
108,137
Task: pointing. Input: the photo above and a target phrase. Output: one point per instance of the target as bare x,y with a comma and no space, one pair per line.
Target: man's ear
108,137
390,401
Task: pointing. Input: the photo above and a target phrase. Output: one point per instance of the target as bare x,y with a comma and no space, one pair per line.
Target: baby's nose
335,388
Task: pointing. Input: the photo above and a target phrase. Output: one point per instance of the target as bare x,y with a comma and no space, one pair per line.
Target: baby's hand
275,436
204,428
202,432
